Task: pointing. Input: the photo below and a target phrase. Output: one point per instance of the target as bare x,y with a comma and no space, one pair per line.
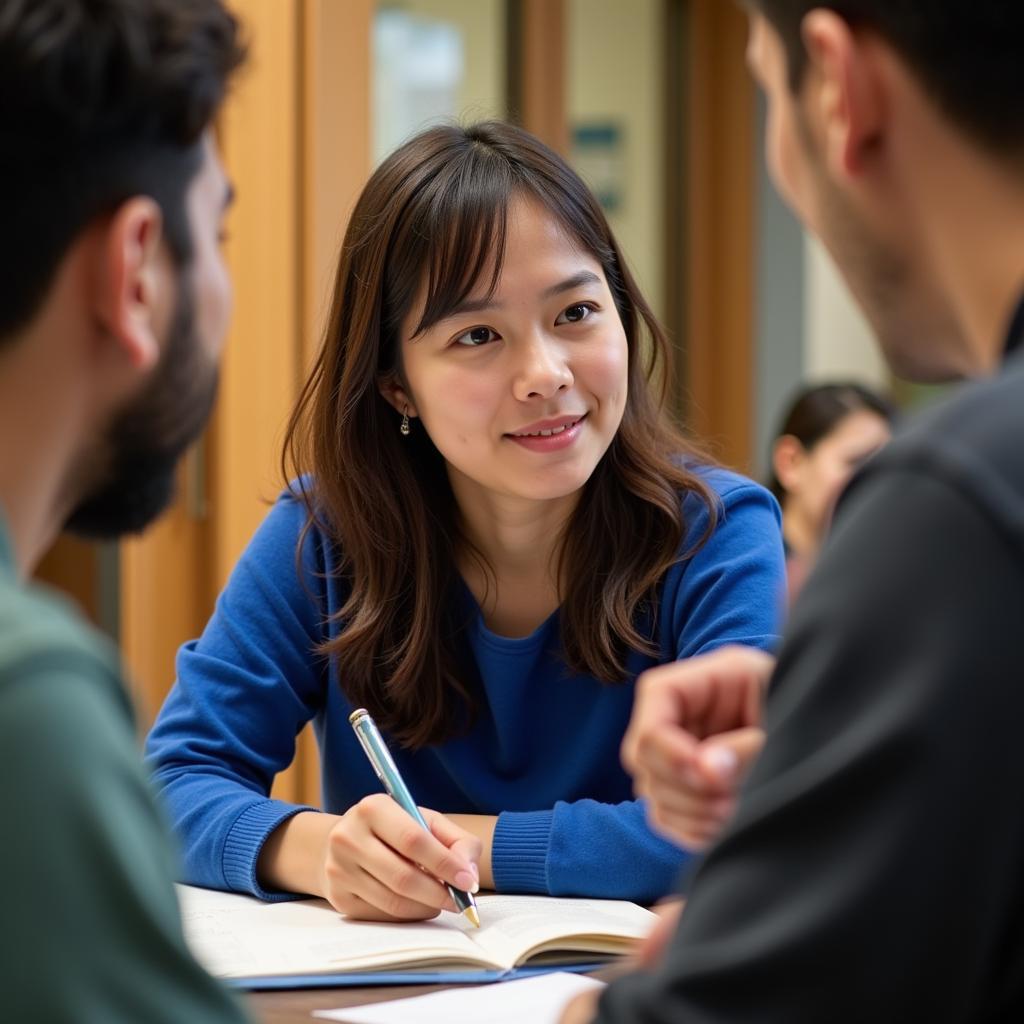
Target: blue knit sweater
543,754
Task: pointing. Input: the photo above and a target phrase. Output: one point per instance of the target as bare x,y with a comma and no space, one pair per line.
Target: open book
236,936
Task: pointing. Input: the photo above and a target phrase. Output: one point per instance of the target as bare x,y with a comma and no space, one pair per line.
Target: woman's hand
381,865
374,862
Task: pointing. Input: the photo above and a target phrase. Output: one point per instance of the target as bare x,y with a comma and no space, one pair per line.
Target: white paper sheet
538,1000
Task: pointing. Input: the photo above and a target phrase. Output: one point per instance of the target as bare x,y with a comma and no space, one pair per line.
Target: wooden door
294,137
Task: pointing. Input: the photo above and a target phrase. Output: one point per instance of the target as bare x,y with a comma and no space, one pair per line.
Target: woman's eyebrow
576,281
584,277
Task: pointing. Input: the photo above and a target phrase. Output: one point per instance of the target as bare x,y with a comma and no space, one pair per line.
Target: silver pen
386,770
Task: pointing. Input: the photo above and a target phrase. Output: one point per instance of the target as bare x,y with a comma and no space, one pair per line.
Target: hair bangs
464,225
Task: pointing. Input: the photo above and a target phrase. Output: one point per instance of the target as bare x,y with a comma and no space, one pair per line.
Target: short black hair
966,54
100,100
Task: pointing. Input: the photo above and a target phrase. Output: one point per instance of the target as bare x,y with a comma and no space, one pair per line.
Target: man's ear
788,456
132,301
847,100
396,395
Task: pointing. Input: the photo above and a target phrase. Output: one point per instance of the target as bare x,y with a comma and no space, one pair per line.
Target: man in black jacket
874,867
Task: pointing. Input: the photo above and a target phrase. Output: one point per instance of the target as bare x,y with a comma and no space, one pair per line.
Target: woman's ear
395,394
788,457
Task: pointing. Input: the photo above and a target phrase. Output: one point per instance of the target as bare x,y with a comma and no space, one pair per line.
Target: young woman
498,531
827,432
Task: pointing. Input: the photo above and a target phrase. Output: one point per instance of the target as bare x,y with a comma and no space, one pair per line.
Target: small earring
404,428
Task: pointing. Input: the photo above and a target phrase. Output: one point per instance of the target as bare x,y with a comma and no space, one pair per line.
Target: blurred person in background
828,432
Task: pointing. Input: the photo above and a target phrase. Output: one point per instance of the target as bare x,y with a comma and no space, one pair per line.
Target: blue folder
349,980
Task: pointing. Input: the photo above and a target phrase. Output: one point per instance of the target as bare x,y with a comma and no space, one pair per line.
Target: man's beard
147,438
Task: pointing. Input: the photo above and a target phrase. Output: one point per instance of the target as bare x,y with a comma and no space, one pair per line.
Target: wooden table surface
292,1007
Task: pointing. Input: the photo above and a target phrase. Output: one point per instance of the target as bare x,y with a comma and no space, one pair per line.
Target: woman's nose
543,370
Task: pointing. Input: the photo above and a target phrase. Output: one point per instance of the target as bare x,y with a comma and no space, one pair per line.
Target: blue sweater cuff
519,851
244,842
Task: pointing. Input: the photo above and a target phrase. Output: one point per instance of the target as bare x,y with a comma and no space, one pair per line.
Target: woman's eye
475,337
575,314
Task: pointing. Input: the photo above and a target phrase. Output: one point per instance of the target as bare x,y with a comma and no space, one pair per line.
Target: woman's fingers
462,846
382,864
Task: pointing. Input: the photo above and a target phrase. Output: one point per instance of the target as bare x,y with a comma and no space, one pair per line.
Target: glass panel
615,83
435,60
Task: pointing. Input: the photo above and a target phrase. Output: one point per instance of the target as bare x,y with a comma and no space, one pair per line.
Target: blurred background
649,99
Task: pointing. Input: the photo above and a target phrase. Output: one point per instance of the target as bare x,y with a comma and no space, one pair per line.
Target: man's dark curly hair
100,100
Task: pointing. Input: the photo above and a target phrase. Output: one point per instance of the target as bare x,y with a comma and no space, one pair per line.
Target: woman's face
522,392
819,475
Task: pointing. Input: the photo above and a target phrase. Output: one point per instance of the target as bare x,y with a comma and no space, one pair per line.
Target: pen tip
472,916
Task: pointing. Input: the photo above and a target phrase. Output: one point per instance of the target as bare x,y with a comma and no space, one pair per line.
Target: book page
514,927
238,936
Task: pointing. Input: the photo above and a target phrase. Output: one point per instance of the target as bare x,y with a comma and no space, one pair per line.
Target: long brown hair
434,214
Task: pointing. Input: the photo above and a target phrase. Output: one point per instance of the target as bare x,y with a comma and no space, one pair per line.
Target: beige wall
838,343
615,74
481,24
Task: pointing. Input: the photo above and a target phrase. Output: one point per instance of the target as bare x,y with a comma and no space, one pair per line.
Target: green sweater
91,931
